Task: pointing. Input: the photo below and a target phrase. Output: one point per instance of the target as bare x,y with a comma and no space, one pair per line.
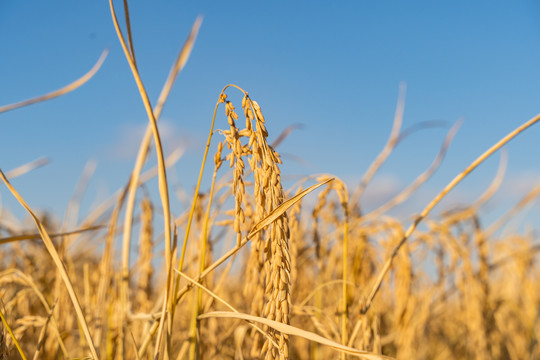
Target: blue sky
333,68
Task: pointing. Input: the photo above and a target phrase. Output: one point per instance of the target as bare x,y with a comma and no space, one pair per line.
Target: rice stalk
203,249
163,186
145,267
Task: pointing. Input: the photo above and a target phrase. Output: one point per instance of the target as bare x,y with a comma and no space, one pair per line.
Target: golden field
251,270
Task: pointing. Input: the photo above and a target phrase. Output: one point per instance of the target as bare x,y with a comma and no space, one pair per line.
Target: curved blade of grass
23,169
277,212
388,147
59,264
286,133
523,202
130,36
294,331
495,183
74,85
428,124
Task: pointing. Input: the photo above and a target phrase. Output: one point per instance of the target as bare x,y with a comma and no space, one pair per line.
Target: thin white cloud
517,185
381,189
130,135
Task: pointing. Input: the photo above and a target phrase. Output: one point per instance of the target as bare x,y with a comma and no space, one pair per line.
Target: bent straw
294,331
388,148
23,169
422,178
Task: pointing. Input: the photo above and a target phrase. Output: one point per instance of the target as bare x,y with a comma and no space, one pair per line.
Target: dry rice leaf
277,212
291,330
23,169
74,85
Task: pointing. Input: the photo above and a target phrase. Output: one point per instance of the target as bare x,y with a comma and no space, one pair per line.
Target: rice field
252,270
